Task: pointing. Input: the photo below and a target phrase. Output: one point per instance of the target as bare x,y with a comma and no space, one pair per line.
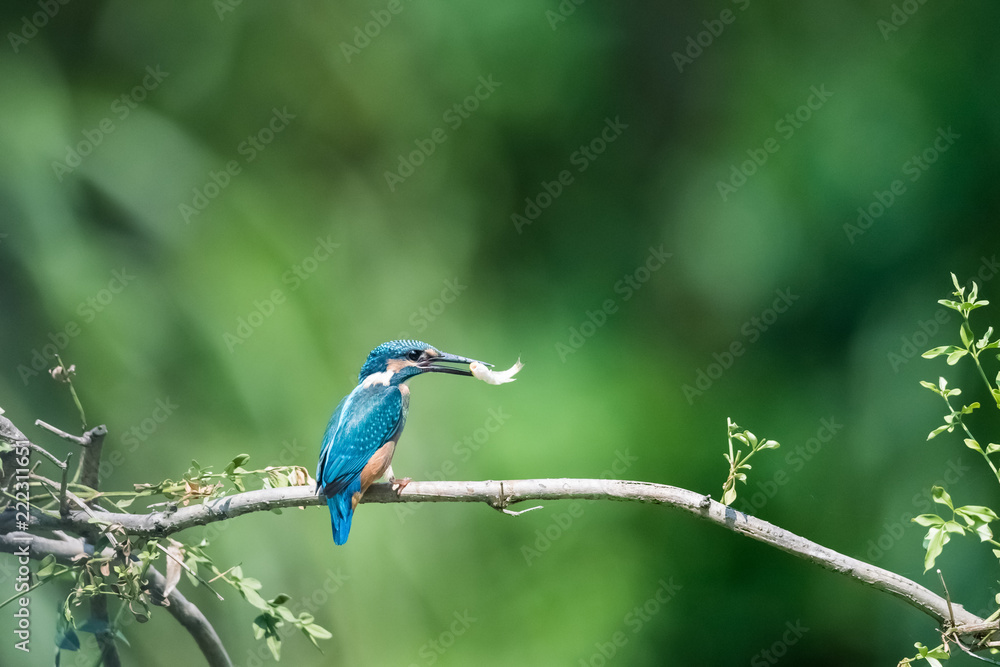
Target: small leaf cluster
274,614
738,462
933,656
200,483
970,346
976,519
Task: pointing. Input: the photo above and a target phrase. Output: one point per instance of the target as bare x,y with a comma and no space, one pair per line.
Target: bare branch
501,494
90,458
76,439
189,616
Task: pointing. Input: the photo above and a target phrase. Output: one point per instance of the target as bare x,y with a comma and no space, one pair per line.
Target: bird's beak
432,364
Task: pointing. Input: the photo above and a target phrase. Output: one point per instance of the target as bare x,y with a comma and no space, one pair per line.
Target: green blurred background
225,239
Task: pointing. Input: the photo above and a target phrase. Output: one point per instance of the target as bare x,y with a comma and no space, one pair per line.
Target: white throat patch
378,378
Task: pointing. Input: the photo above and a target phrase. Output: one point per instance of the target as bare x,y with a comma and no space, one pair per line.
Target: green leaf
954,527
935,541
729,496
972,444
46,567
955,356
985,340
936,352
285,614
928,520
939,429
281,598
984,532
966,333
992,447
979,512
941,497
254,598
274,643
317,631
947,303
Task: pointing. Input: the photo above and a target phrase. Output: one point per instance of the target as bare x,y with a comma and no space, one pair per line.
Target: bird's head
399,360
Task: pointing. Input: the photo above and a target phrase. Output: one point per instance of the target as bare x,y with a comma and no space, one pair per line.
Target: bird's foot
399,484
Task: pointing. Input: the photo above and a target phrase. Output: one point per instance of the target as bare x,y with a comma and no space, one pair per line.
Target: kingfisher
364,429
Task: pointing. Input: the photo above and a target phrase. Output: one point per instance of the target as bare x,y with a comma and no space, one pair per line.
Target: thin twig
947,596
45,452
82,441
63,488
188,569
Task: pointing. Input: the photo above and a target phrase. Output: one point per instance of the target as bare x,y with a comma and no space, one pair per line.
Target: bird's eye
413,355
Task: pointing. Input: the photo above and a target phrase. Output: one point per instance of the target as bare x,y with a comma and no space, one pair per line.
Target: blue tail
341,512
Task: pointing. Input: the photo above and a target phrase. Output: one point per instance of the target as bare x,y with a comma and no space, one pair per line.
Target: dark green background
448,230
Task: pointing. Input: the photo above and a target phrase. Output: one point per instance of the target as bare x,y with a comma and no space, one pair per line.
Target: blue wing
364,421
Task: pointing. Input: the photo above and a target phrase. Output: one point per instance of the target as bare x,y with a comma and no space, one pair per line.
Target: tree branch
186,612
189,616
501,494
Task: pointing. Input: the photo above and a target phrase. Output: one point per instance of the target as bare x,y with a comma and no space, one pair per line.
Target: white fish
482,372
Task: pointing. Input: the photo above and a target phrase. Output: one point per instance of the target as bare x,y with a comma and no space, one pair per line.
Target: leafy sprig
737,461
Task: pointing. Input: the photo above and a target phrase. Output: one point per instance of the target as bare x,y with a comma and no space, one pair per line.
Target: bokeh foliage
439,257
